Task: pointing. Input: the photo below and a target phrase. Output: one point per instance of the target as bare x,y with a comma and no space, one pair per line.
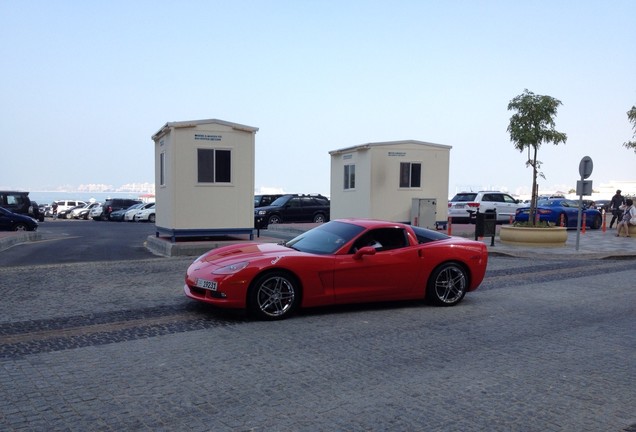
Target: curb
11,239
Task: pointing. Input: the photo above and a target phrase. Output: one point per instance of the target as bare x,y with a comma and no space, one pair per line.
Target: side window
349,177
509,200
382,239
294,202
410,175
162,169
488,197
214,166
16,200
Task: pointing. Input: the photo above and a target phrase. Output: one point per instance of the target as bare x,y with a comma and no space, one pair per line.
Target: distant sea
49,197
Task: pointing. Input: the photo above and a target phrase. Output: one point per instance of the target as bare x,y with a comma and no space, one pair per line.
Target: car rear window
426,235
464,197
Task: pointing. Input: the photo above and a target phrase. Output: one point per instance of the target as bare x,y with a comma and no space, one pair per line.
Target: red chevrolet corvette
342,261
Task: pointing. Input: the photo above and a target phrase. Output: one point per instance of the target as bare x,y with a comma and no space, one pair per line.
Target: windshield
326,238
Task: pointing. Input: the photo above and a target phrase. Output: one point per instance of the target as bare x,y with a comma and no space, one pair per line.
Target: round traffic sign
585,167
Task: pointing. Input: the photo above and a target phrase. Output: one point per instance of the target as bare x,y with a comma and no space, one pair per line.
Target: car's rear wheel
20,227
319,218
447,285
274,219
273,295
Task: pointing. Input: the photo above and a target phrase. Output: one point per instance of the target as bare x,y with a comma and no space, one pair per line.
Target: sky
85,85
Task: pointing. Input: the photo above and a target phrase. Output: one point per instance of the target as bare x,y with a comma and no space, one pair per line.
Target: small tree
631,116
530,126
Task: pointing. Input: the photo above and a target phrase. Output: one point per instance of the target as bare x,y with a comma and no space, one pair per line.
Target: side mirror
367,250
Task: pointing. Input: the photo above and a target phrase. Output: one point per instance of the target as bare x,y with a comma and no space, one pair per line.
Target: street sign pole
583,187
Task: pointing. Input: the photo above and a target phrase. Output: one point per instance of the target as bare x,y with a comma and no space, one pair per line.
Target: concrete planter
529,236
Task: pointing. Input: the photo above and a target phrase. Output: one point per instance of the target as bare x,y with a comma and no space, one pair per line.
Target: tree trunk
532,220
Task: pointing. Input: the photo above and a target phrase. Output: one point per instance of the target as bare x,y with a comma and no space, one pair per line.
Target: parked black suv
114,204
293,208
19,202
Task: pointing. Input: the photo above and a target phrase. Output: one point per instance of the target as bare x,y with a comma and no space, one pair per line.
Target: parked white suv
464,205
68,204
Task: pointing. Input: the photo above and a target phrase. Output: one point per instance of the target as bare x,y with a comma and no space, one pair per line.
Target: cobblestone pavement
543,345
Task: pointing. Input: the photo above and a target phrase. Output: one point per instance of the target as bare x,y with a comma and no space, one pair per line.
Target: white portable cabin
381,180
204,178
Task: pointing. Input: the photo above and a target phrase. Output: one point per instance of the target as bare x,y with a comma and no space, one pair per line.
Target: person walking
628,214
615,207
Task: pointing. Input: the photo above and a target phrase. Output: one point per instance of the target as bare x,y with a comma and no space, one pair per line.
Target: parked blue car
16,222
556,209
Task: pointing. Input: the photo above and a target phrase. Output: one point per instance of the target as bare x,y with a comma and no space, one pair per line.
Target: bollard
604,222
583,227
562,220
450,221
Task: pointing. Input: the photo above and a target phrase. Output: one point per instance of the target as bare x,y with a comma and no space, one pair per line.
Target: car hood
245,252
267,208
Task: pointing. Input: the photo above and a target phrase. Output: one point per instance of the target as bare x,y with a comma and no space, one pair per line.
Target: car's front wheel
447,285
151,218
273,295
597,222
274,219
319,218
20,227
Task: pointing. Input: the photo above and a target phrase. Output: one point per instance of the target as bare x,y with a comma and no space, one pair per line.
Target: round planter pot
551,237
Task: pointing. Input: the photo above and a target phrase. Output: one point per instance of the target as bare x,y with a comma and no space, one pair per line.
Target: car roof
370,223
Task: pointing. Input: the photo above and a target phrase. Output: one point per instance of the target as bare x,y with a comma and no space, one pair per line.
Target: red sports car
342,261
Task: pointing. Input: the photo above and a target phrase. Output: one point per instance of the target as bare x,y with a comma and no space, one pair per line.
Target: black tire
320,218
447,285
69,215
20,227
274,295
151,218
274,219
597,222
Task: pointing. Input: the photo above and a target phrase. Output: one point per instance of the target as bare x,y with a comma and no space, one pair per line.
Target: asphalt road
65,241
113,344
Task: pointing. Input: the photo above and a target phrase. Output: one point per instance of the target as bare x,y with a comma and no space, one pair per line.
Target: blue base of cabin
194,233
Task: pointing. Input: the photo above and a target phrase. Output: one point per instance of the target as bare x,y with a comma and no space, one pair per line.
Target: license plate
460,205
206,284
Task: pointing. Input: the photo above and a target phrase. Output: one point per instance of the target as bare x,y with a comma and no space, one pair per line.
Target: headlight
261,212
231,269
